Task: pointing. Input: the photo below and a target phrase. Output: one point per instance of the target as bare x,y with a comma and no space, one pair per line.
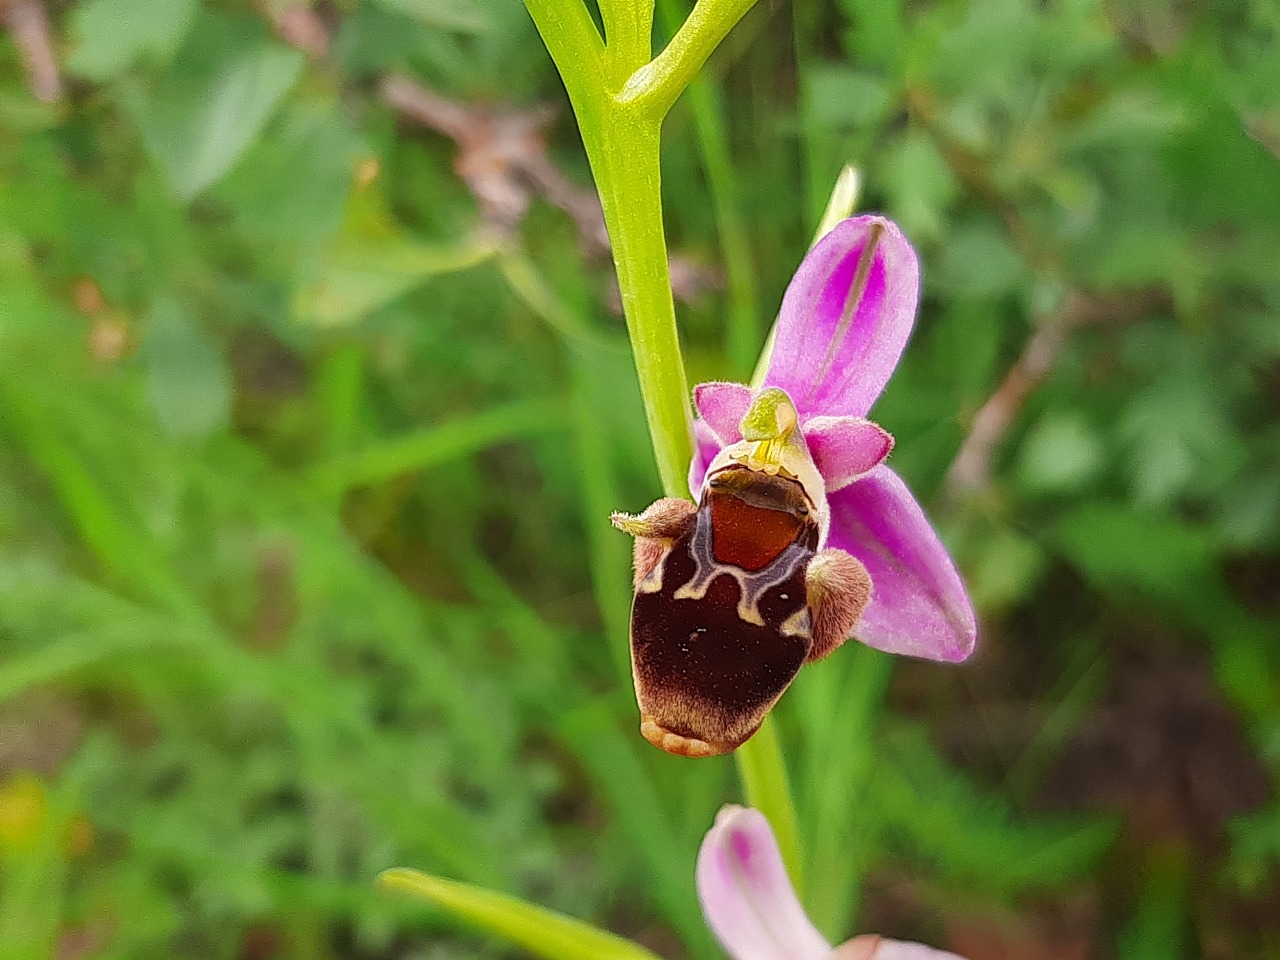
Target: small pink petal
919,606
746,895
877,948
833,364
722,406
705,448
845,448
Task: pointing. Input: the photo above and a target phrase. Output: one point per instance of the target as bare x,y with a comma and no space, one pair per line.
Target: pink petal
844,448
722,406
705,448
746,895
902,950
918,606
877,948
845,378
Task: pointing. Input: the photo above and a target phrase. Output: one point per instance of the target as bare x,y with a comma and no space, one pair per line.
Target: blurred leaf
1155,932
876,32
200,117
977,261
110,36
372,261
920,185
290,190
360,279
461,15
1007,569
1127,115
972,837
189,380
540,931
1119,549
842,98
1060,454
384,461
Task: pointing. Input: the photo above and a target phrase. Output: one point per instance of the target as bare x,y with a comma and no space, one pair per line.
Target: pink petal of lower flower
845,448
722,405
705,448
919,607
746,895
877,948
902,950
834,356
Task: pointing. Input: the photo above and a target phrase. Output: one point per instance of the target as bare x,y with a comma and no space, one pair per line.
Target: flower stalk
620,98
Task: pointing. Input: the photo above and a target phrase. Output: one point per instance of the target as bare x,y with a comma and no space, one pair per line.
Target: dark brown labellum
723,614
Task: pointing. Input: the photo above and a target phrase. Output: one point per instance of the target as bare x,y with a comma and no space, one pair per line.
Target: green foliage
304,564
199,117
541,932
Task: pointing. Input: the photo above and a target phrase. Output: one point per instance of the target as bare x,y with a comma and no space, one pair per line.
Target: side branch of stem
658,84
628,30
575,46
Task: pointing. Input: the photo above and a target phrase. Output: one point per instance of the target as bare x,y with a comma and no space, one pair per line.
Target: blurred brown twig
502,156
27,21
970,470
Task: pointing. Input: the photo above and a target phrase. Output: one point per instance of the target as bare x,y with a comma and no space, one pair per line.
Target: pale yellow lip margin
772,443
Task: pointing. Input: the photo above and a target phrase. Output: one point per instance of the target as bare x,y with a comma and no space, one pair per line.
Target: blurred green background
314,401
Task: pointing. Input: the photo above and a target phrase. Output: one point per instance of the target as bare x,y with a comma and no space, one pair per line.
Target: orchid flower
844,321
750,905
801,535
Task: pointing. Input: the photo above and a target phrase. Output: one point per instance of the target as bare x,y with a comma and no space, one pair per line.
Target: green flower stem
624,158
620,98
763,773
621,122
622,140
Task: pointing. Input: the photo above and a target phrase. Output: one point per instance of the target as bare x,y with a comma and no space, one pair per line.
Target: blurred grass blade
448,441
536,293
841,204
840,709
706,103
764,781
114,535
68,654
211,106
608,555
619,774
361,276
1157,929
543,932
